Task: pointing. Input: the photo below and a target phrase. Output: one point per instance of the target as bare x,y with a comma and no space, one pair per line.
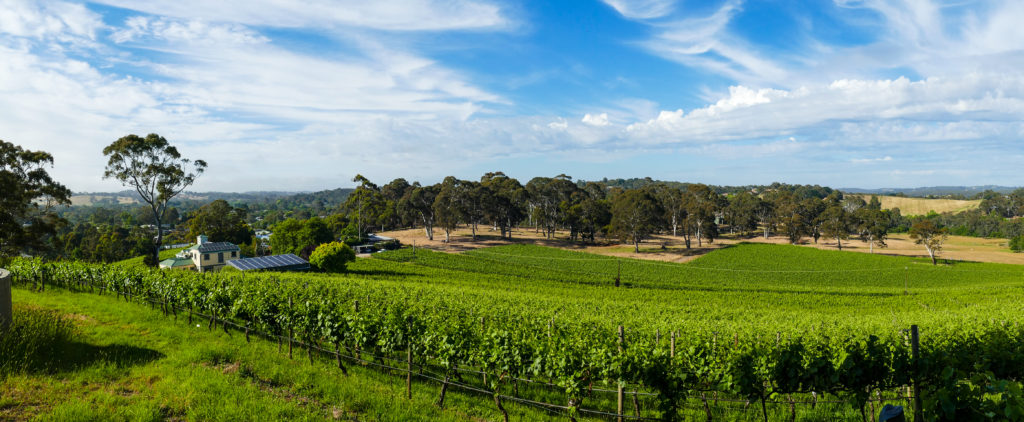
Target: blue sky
282,95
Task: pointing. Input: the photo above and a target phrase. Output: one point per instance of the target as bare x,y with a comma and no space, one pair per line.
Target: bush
1017,244
332,257
34,341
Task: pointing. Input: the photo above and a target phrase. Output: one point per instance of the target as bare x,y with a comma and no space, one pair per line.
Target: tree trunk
636,246
932,255
159,236
699,242
839,243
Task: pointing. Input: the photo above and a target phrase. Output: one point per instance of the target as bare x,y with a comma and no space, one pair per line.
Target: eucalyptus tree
448,207
507,206
835,223
672,202
741,213
872,226
419,202
636,214
365,205
703,205
29,196
929,235
157,172
393,192
546,197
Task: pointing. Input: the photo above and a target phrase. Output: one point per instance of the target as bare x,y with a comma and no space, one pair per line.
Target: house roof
287,262
176,262
215,247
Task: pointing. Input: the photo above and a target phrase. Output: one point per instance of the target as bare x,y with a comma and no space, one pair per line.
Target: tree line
695,212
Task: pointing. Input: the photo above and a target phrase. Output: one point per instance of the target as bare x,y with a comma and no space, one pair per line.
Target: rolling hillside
921,206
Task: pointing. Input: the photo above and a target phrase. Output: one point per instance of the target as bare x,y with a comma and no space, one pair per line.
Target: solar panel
270,262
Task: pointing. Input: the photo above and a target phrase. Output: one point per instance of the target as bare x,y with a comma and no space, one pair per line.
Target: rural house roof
211,247
176,262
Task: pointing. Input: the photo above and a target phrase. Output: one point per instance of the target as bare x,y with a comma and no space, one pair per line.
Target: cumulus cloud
596,119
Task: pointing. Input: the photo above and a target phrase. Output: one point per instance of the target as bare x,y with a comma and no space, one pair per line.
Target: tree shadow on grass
74,356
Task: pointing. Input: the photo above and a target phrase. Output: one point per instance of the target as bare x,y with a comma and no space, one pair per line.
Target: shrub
34,341
332,257
1017,244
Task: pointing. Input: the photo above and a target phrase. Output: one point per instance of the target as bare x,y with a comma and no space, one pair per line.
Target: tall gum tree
28,195
931,236
157,172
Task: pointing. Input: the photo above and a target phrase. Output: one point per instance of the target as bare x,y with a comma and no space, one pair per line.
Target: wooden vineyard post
915,344
672,346
355,348
290,324
622,338
408,371
483,322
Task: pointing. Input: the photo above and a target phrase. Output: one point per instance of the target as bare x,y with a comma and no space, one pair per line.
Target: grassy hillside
131,363
921,206
137,261
558,310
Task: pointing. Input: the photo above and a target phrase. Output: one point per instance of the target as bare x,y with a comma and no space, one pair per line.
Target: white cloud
746,113
596,119
396,15
138,28
41,19
871,160
226,93
642,9
560,124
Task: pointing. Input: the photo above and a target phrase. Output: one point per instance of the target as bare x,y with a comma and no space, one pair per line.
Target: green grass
137,261
128,362
753,291
757,289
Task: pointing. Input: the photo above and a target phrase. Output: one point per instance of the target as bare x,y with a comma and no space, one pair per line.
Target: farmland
922,206
529,312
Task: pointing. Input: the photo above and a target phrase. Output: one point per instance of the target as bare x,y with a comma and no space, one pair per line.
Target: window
234,254
220,257
206,257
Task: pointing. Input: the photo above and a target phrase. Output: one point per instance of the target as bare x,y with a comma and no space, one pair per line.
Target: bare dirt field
673,249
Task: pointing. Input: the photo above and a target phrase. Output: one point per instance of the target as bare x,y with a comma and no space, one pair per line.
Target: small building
177,263
286,262
210,256
375,243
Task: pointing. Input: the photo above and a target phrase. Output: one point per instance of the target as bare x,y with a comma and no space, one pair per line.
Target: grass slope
131,363
137,261
922,206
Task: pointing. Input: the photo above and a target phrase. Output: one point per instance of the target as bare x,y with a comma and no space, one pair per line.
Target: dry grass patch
922,206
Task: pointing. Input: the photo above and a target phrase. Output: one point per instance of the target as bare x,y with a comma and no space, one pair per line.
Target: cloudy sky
288,95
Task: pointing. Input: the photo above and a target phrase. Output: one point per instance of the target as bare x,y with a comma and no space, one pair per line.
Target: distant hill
128,197
966,191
